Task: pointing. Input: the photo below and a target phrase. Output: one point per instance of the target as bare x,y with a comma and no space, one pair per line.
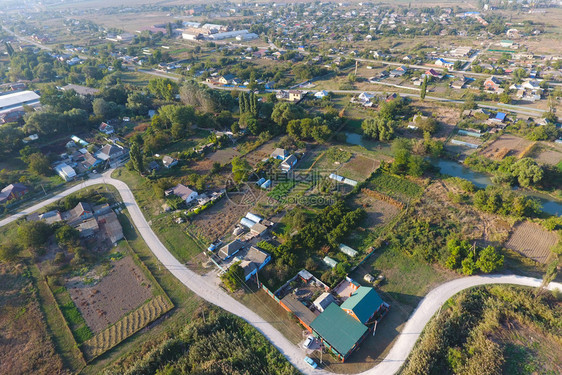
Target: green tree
527,172
489,260
136,156
423,88
379,128
67,236
105,109
505,98
39,164
240,169
234,277
33,234
283,112
9,251
468,265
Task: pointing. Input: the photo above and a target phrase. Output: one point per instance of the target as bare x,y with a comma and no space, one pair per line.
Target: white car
309,340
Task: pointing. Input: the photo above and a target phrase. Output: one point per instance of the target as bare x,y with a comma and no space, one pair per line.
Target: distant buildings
15,102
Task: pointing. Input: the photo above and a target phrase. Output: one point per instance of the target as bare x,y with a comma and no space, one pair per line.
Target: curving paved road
208,290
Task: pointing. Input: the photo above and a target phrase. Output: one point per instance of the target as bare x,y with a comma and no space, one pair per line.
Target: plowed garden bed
532,241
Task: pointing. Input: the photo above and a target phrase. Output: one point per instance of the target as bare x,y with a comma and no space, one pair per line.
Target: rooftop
337,328
21,97
364,302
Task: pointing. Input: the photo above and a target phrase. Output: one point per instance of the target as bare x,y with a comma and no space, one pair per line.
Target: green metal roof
338,329
364,302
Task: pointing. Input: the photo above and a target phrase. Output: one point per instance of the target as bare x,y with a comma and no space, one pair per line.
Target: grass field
172,235
72,315
25,345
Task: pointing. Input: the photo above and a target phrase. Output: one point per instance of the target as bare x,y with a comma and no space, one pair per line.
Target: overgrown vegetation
479,332
213,342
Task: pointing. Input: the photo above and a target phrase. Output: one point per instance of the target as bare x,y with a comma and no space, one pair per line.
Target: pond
549,205
354,139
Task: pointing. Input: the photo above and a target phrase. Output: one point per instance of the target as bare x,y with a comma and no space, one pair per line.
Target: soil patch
124,289
532,241
359,168
378,212
514,144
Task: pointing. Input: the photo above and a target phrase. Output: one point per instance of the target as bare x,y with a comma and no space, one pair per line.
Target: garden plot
123,289
506,145
359,168
261,153
549,155
532,241
220,219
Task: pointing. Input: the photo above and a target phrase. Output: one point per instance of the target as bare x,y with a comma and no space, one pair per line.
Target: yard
219,220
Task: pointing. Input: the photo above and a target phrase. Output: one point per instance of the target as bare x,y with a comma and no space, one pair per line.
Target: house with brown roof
492,84
82,211
183,192
169,161
13,191
228,250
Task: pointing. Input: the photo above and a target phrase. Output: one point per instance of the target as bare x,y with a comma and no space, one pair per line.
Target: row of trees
382,126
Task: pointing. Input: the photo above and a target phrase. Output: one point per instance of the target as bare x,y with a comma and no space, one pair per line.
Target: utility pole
356,63
257,277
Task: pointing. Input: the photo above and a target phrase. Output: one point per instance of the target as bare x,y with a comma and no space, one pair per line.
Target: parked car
309,361
309,340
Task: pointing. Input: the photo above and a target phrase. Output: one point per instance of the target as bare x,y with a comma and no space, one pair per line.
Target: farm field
532,241
25,343
505,145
